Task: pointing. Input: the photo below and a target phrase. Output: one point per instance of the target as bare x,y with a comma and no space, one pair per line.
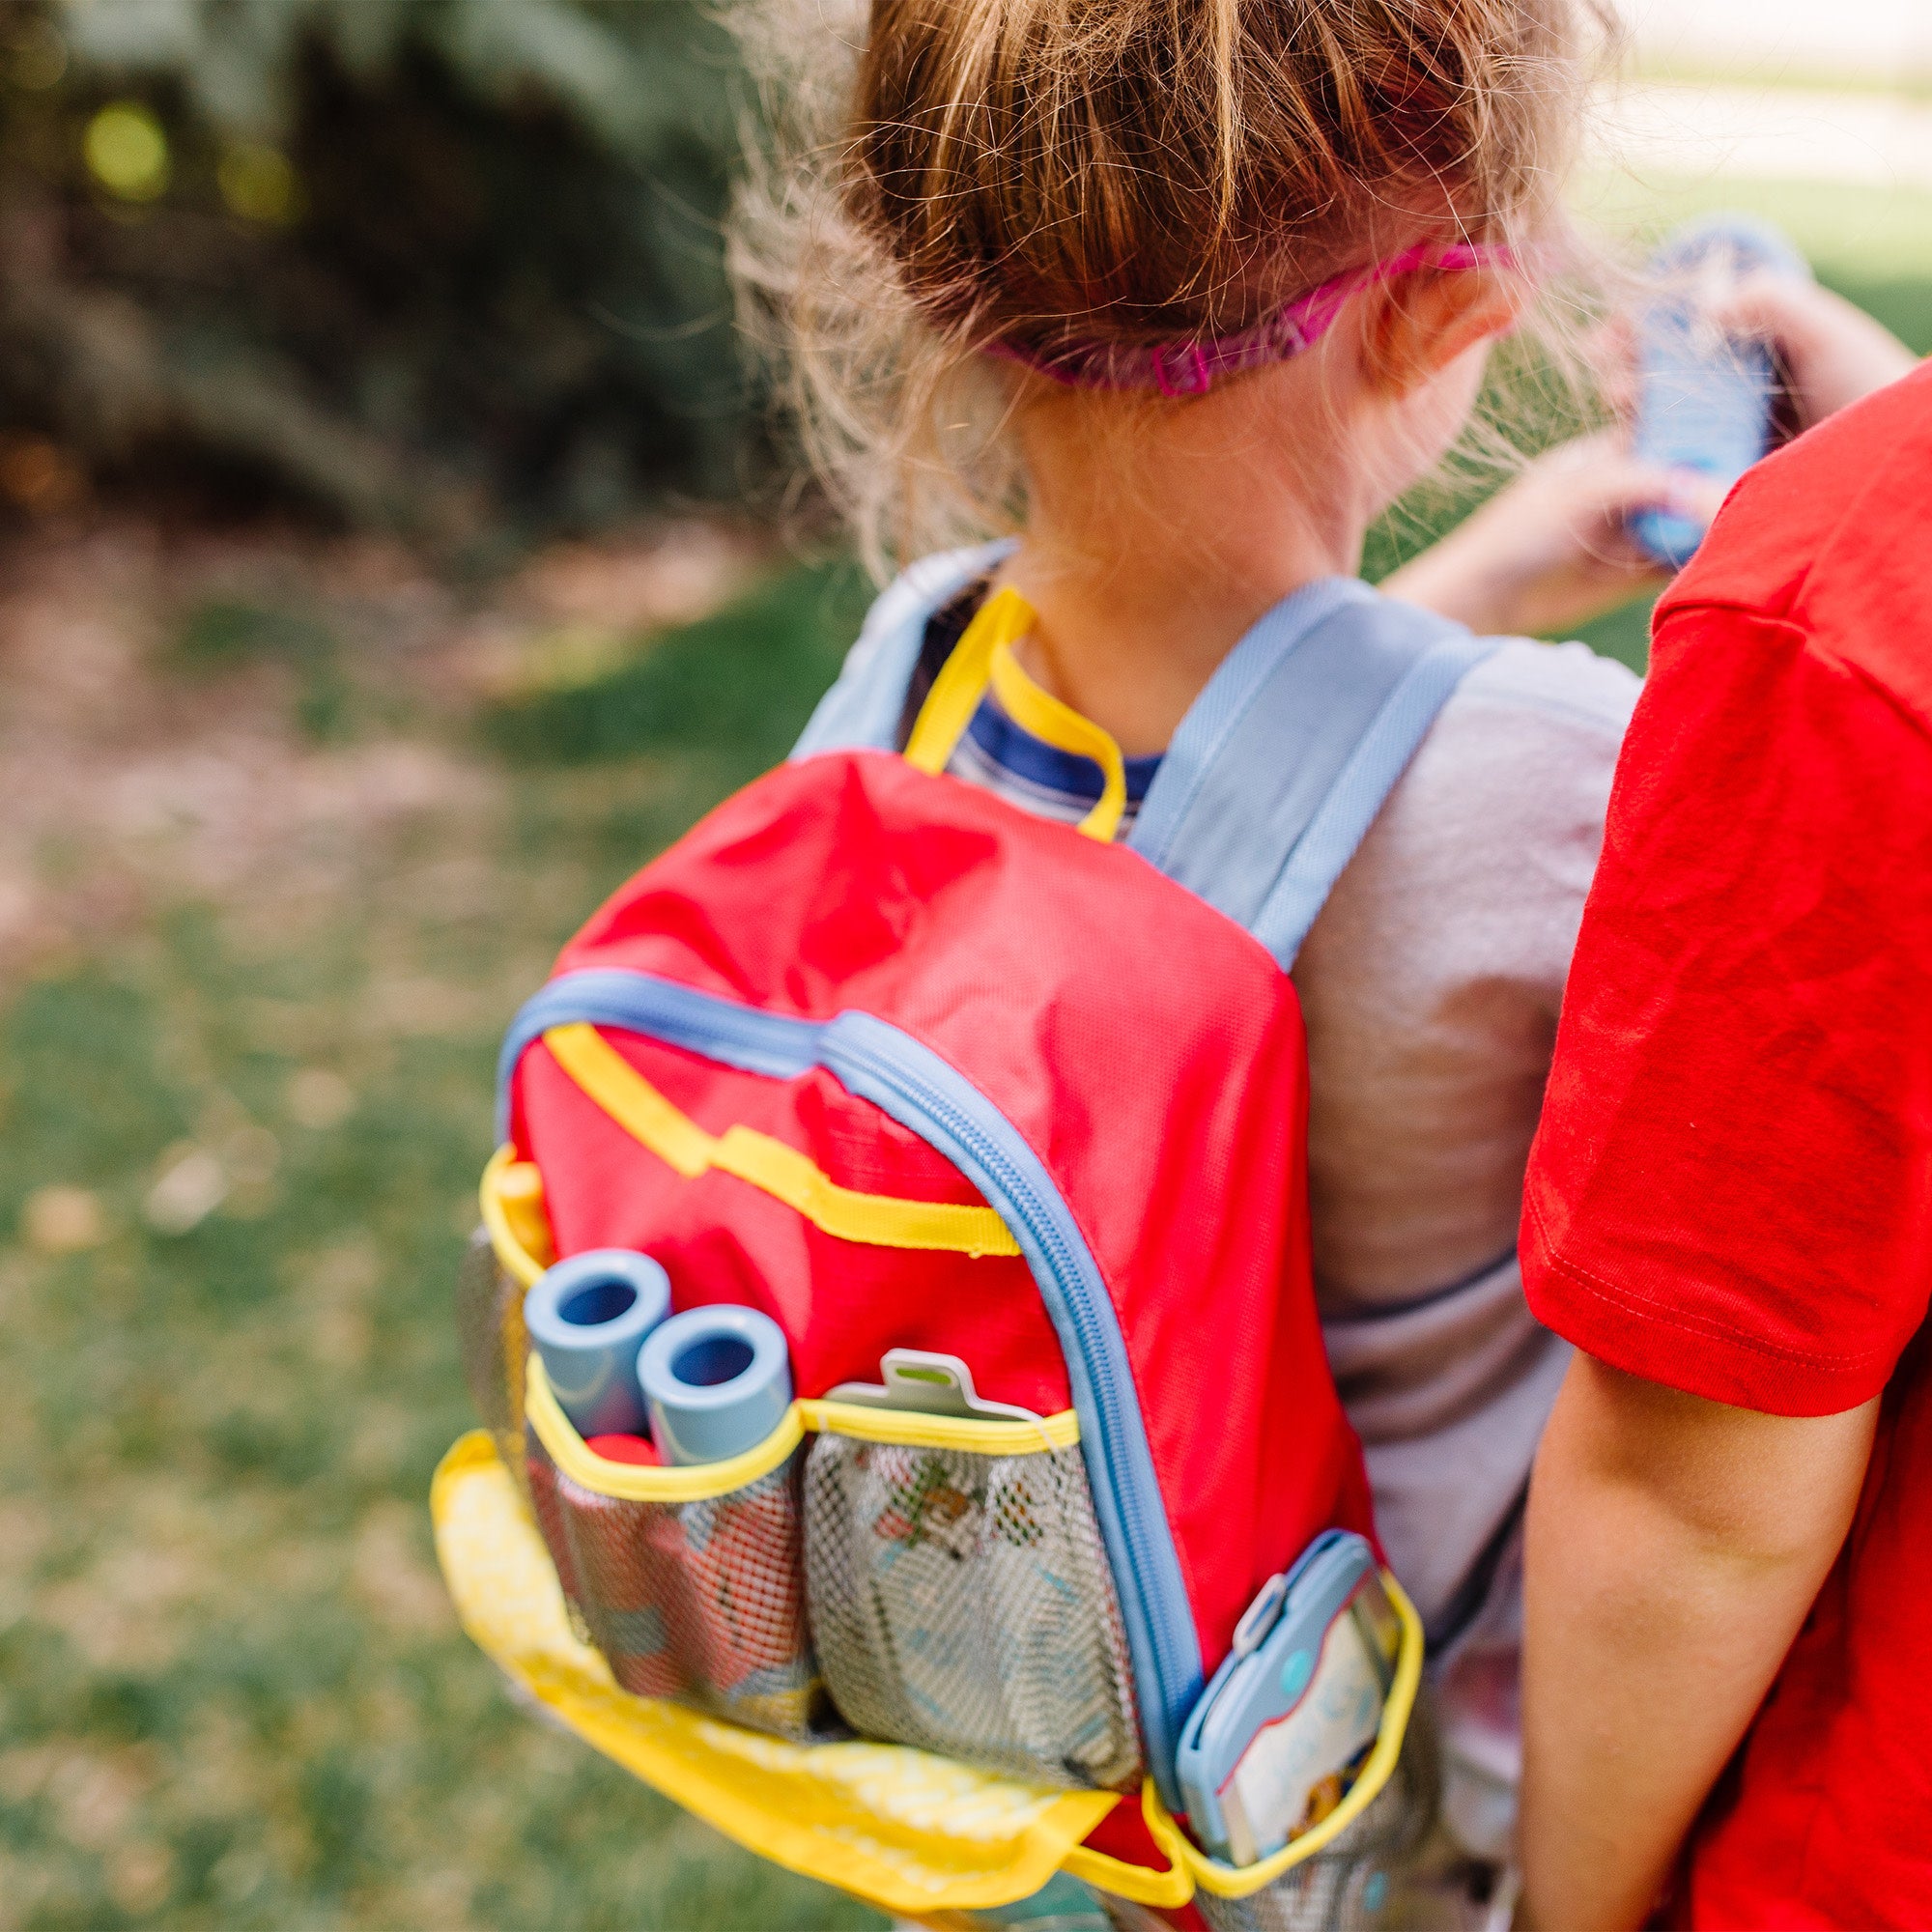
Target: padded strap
862,710
1282,763
1381,757
984,656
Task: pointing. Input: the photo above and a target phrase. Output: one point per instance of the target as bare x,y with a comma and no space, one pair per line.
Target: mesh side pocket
1345,1886
492,1344
962,1603
695,1600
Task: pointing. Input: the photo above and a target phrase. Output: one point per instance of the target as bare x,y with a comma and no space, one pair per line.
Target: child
1728,1214
1181,297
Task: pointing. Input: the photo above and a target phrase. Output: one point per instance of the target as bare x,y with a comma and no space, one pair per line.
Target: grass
231,1691
716,688
1865,235
240,1148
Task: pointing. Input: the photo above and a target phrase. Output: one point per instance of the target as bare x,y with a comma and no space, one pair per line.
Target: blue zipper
739,1035
912,1084
922,1092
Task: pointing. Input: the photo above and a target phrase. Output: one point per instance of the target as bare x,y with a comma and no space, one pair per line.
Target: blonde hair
959,173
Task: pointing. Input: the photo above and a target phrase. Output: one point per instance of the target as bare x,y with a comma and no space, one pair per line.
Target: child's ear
1419,324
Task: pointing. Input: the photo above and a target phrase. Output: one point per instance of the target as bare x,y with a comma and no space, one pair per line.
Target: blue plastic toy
1705,400
717,1381
588,1318
1295,1705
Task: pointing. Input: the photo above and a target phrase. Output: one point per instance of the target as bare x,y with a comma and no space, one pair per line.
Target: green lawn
231,1692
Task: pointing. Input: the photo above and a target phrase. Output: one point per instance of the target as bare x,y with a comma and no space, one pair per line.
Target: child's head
1072,184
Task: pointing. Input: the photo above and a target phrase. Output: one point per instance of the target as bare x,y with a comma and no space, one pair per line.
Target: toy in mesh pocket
1345,1886
962,1603
697,1601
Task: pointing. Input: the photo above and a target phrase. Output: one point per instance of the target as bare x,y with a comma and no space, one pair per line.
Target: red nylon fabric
1731,1191
1149,1052
722,1239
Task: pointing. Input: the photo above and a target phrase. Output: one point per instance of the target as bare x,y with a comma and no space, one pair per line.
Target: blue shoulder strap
862,710
1280,765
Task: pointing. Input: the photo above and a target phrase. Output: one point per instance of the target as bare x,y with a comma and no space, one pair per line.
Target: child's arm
1834,354
1555,549
1674,1547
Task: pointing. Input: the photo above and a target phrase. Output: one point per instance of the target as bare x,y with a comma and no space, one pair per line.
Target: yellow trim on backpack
694,1482
916,1833
1004,618
983,656
1141,1883
502,1210
1036,710
641,1482
1226,1881
877,1220
983,1435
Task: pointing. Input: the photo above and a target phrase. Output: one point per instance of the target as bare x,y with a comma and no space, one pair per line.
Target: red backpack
905,1067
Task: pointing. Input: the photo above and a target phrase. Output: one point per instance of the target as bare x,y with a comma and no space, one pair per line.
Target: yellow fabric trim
629,1099
691,1482
983,1435
916,1833
638,1482
1040,712
877,1220
1240,1882
985,655
1171,1887
1004,618
507,1217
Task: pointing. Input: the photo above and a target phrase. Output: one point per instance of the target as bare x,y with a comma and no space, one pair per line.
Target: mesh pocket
695,1600
492,1343
962,1603
1343,1886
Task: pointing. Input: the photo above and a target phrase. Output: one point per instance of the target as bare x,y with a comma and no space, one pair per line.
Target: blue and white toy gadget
1705,400
1287,1717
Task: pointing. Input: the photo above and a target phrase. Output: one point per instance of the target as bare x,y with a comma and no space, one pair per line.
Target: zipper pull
1261,1615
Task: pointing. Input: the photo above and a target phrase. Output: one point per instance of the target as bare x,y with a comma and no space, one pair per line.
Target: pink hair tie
1190,368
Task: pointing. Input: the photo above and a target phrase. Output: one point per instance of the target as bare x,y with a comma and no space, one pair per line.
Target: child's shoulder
1523,753
1560,689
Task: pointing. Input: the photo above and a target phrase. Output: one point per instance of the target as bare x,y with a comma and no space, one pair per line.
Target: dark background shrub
434,265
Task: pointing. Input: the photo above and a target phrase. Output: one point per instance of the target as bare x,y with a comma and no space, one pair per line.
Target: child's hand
1553,550
1832,352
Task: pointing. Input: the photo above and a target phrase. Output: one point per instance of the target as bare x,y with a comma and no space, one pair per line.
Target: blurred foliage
430,263
223,633
241,1147
736,686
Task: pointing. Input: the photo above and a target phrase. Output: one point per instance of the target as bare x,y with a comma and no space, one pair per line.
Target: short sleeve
1731,1189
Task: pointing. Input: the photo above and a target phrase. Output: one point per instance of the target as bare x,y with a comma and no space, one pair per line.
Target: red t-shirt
1732,1189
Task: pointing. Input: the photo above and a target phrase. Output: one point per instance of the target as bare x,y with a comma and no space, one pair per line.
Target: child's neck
1146,572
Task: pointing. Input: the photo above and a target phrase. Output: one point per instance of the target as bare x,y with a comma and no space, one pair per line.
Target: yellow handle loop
1141,1883
984,656
1043,714
1005,617
878,1220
